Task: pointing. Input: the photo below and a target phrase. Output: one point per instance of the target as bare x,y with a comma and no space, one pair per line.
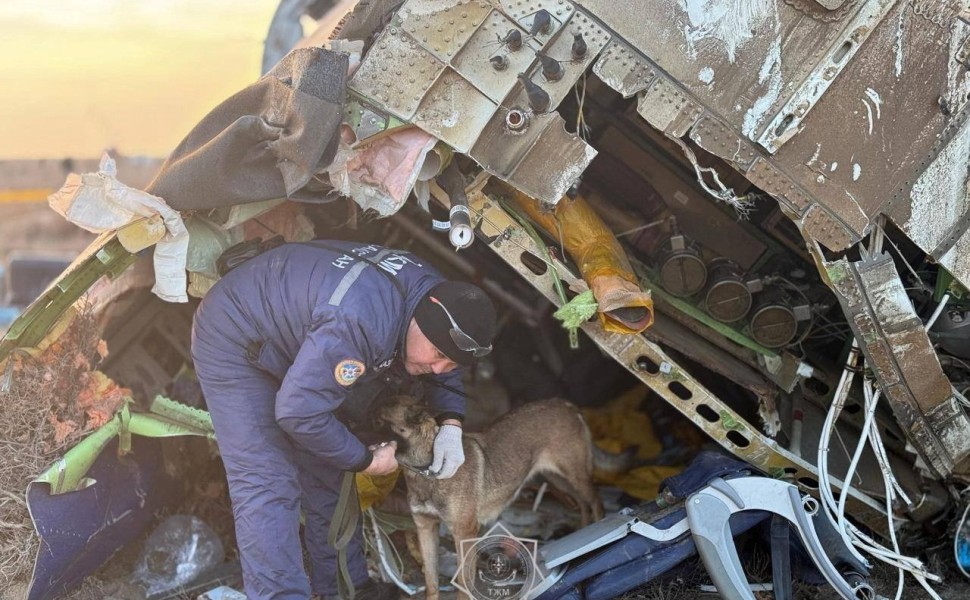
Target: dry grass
33,414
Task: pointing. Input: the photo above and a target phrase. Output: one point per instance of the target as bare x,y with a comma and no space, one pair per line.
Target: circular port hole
516,120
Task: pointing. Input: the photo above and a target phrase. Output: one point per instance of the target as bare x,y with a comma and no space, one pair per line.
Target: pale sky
77,76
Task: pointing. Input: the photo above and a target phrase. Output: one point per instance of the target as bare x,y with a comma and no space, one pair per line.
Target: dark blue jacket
302,314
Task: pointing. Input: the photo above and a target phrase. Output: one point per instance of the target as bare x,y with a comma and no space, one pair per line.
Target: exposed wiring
860,446
391,565
582,128
835,511
899,253
725,194
641,227
548,261
798,290
835,409
956,541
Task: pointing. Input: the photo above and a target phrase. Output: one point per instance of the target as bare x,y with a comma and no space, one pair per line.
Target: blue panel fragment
79,531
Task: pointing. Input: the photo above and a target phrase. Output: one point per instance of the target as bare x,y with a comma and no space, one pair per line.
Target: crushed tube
623,306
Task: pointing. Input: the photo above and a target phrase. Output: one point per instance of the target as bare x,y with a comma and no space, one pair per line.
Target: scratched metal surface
743,59
861,150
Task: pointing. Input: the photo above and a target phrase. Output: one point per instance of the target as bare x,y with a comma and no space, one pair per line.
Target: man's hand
384,461
448,453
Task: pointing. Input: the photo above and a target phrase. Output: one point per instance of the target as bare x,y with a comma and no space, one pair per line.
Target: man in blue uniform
286,339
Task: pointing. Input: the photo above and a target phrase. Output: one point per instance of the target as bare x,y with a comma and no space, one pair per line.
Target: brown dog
548,438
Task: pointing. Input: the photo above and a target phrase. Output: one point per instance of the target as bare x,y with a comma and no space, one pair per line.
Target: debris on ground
47,404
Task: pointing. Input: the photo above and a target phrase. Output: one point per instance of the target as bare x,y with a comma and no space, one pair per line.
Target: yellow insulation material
620,425
623,306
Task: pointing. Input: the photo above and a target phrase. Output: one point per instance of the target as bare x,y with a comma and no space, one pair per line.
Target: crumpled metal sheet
265,142
906,366
454,111
430,65
81,529
894,85
869,139
520,157
396,73
548,180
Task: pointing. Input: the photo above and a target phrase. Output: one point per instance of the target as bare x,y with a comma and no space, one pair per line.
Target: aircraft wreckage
769,200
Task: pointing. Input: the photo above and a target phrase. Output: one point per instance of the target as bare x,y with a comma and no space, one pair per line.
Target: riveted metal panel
623,69
454,111
754,63
473,60
396,73
499,150
668,108
717,137
559,48
819,224
442,26
872,136
857,28
524,12
548,180
901,356
769,178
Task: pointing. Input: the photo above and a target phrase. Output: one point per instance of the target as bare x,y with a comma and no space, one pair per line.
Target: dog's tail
614,463
606,462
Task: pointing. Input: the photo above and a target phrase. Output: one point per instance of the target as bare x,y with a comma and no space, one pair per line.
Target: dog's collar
424,472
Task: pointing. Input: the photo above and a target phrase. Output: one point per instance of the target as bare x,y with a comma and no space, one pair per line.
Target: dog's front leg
428,543
465,527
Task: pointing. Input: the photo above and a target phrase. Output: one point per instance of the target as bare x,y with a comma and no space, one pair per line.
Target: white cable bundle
835,510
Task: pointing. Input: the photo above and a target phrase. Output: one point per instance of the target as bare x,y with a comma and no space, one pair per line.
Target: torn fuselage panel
900,354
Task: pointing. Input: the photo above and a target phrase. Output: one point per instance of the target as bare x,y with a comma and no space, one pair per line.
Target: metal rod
938,311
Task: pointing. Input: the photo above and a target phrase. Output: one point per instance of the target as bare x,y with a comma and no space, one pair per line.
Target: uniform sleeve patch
348,371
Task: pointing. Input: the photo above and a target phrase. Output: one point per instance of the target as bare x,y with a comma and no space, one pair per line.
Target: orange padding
600,258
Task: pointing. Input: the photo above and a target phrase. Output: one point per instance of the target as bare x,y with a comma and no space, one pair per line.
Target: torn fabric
381,174
98,202
265,142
